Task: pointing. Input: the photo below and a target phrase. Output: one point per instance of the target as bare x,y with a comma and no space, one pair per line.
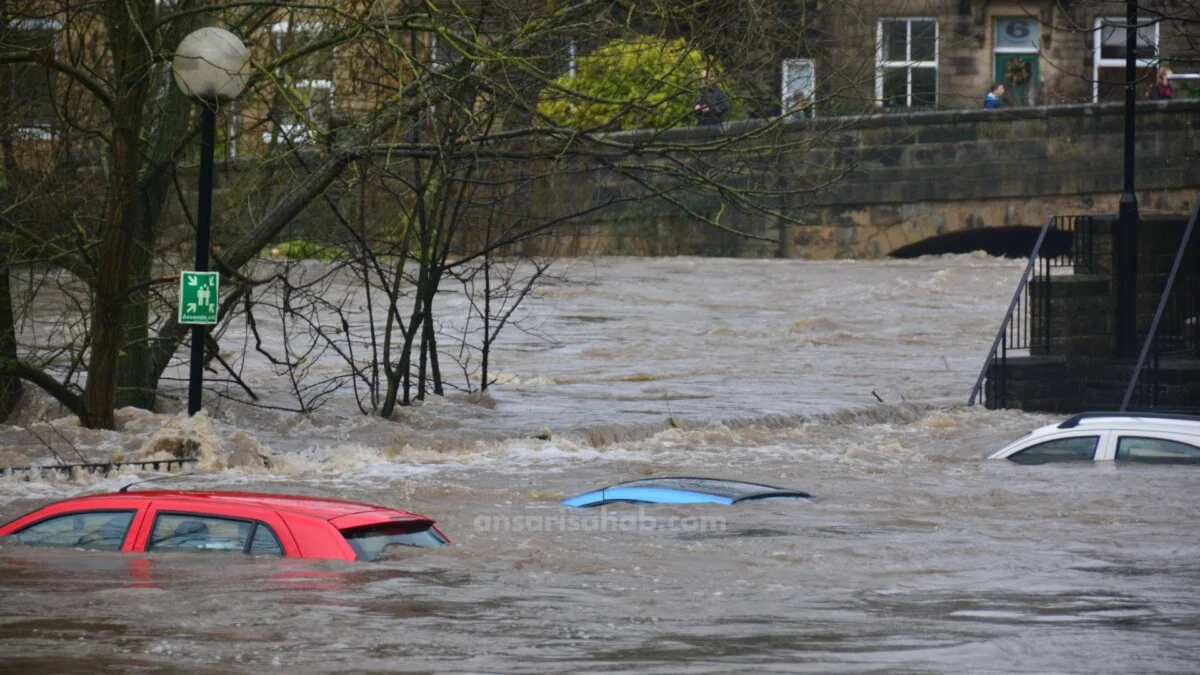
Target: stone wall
859,186
929,174
1053,384
1081,323
899,179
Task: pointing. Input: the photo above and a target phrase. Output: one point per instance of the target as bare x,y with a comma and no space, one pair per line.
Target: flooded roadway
919,557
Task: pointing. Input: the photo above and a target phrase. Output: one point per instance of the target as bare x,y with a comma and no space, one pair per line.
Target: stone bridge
861,187
925,182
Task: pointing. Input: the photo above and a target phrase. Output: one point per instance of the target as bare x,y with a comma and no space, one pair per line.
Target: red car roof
318,507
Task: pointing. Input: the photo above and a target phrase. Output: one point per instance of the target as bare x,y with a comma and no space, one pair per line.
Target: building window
1015,62
31,91
304,101
446,51
231,148
1108,74
798,87
906,75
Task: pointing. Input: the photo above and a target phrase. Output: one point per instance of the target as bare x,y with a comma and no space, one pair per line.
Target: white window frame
33,134
35,24
785,94
284,27
882,65
297,132
1097,45
1184,76
437,64
36,132
232,153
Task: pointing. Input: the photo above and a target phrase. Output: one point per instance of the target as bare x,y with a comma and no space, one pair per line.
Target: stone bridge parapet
903,178
858,187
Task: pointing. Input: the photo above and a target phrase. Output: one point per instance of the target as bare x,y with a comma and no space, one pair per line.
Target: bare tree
413,128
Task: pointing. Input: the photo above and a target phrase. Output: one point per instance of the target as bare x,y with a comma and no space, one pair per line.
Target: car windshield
371,541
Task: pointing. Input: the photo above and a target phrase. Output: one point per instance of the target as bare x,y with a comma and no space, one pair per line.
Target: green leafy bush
629,84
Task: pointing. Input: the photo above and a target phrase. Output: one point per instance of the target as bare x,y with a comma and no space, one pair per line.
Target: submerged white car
1160,438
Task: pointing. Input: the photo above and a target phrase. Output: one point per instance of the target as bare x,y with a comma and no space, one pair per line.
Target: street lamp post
1127,238
211,65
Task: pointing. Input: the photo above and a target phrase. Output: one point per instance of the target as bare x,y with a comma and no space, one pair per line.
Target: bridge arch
1009,241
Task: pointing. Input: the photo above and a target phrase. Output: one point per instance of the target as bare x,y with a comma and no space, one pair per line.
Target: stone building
849,56
944,54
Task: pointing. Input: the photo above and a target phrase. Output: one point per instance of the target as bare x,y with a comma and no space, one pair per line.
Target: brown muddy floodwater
918,557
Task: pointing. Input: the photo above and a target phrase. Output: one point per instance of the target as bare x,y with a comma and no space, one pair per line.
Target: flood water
844,379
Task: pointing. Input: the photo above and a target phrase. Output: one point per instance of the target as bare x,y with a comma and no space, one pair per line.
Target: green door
1018,80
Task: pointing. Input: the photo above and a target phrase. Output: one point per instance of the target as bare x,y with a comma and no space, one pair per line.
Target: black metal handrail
1179,311
1080,256
1026,312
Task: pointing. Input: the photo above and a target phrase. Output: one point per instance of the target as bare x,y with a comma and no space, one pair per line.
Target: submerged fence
101,468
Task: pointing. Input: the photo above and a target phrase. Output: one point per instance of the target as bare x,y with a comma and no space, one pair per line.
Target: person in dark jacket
1161,89
711,105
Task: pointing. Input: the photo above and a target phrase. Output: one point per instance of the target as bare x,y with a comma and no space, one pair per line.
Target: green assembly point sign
198,297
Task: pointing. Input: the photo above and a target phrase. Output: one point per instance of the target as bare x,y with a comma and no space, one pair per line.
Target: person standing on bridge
994,95
711,106
800,107
1161,89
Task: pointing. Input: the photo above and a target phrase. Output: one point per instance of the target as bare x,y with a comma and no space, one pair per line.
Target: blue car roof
683,490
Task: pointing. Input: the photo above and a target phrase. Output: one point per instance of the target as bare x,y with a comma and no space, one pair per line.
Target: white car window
1070,449
1156,450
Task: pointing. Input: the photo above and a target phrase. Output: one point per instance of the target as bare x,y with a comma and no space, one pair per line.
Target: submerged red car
237,522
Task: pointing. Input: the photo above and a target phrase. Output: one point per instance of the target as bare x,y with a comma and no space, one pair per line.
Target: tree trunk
138,371
137,376
435,369
136,379
398,379
10,385
125,21
486,348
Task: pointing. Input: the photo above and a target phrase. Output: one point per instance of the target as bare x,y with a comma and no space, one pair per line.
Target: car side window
265,542
98,530
1156,450
1072,449
187,532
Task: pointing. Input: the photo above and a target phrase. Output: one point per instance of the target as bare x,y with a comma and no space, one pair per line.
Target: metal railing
1175,330
1026,325
101,468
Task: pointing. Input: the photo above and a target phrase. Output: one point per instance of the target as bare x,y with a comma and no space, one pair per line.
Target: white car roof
1096,422
1131,420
